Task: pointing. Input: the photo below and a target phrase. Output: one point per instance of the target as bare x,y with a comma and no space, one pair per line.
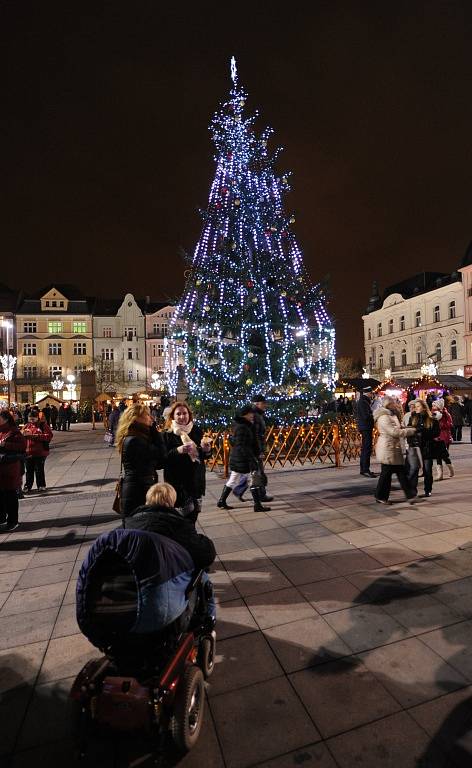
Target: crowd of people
410,441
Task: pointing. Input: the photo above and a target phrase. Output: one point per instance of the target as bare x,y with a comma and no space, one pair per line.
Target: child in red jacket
38,435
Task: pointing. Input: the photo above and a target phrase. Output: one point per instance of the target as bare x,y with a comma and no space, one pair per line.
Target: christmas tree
249,320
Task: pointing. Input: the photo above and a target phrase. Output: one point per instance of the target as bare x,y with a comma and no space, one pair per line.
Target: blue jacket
162,570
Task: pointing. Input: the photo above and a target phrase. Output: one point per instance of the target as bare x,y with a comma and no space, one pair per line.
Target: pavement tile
234,618
323,688
66,622
308,531
431,524
255,582
392,742
315,756
243,661
326,545
454,645
429,544
245,559
274,536
20,666
364,537
458,561
412,672
398,531
457,536
366,626
261,524
331,595
293,548
392,553
10,563
271,709
305,643
304,570
100,754
425,573
31,627
234,544
8,580
50,704
447,721
13,705
291,519
46,574
421,613
222,531
223,586
34,598
279,607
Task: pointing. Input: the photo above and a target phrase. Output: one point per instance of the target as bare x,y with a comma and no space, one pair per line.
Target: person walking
68,416
61,418
365,425
113,420
440,412
186,450
47,413
12,454
260,405
142,452
427,430
54,415
456,410
389,450
38,435
243,459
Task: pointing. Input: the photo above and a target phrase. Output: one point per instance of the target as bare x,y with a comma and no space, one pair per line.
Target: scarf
183,431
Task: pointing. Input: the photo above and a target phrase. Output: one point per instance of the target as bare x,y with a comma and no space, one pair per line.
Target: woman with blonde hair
142,452
187,448
428,431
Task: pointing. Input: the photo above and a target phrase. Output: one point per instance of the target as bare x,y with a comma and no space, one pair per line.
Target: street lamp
8,361
57,385
70,386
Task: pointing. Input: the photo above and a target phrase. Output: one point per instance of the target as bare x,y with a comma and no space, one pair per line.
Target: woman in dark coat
142,452
243,458
186,449
427,434
12,455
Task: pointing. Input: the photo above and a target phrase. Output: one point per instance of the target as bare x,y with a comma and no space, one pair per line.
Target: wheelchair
146,681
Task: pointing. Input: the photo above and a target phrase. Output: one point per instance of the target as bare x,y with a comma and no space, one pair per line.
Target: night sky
106,153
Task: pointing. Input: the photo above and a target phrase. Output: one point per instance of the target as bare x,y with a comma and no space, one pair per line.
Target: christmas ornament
292,219
237,202
198,402
248,382
233,246
254,301
250,284
198,282
250,354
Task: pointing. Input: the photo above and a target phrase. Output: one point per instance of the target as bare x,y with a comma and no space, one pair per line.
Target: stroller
141,602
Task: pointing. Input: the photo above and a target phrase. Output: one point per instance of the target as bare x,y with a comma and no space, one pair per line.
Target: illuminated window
79,326
55,326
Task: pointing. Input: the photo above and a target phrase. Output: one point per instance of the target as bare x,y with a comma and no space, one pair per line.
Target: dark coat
168,522
259,429
185,475
244,450
365,419
143,452
457,413
113,420
427,435
12,453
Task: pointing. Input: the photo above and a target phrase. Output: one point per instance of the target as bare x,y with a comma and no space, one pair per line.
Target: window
452,310
79,326
55,371
469,291
55,326
136,355
29,327
47,303
130,375
29,349
418,356
155,329
404,357
158,350
24,397
436,314
55,349
80,348
381,361
107,332
453,349
78,369
164,329
390,326
369,334
107,354
130,332
61,303
130,353
418,319
30,372
392,360
379,329
402,323
137,375
438,351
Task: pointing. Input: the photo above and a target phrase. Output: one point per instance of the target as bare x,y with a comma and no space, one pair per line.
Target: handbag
257,480
108,438
116,506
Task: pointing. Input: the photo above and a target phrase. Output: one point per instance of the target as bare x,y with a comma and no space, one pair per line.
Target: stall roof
448,381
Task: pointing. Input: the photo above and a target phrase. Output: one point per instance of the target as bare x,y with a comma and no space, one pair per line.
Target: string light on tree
249,319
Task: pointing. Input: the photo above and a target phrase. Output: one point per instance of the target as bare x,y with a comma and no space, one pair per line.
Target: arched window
381,361
452,310
379,329
390,325
453,349
418,319
436,314
438,351
404,363
369,334
418,356
402,323
392,360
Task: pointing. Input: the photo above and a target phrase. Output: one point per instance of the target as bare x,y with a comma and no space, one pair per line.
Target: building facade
54,340
424,319
158,321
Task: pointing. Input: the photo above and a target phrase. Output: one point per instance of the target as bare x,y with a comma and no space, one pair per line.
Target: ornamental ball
292,219
237,201
248,382
250,354
198,402
254,301
198,282
233,246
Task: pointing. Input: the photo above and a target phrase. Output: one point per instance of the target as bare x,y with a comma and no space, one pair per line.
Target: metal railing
331,443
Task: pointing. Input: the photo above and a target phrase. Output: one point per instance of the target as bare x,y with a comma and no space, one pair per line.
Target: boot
257,501
264,496
451,470
439,472
221,503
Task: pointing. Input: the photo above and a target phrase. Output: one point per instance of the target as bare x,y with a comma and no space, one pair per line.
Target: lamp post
70,385
8,361
57,385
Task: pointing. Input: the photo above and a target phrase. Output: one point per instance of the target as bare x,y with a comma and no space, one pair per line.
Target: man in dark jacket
365,425
260,405
243,458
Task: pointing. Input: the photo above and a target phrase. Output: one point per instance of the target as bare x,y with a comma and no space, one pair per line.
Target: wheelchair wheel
188,709
206,654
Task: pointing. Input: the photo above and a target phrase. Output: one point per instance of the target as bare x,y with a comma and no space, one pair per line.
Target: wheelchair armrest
196,579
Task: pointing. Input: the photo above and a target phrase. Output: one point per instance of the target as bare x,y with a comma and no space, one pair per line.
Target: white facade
120,346
405,333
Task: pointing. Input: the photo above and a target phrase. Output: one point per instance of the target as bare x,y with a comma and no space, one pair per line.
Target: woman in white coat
389,450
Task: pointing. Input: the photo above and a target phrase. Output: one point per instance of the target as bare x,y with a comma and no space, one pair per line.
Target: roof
421,283
33,307
9,298
448,381
71,292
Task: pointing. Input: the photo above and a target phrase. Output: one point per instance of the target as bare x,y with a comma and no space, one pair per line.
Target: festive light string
248,292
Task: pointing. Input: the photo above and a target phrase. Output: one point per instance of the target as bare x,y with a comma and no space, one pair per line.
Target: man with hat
365,425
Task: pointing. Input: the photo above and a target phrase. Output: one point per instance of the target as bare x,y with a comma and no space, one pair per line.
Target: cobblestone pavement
344,627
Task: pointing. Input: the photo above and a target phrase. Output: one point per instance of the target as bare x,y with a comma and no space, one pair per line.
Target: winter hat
439,403
245,410
259,399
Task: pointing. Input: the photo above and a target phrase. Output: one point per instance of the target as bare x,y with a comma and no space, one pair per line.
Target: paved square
344,629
